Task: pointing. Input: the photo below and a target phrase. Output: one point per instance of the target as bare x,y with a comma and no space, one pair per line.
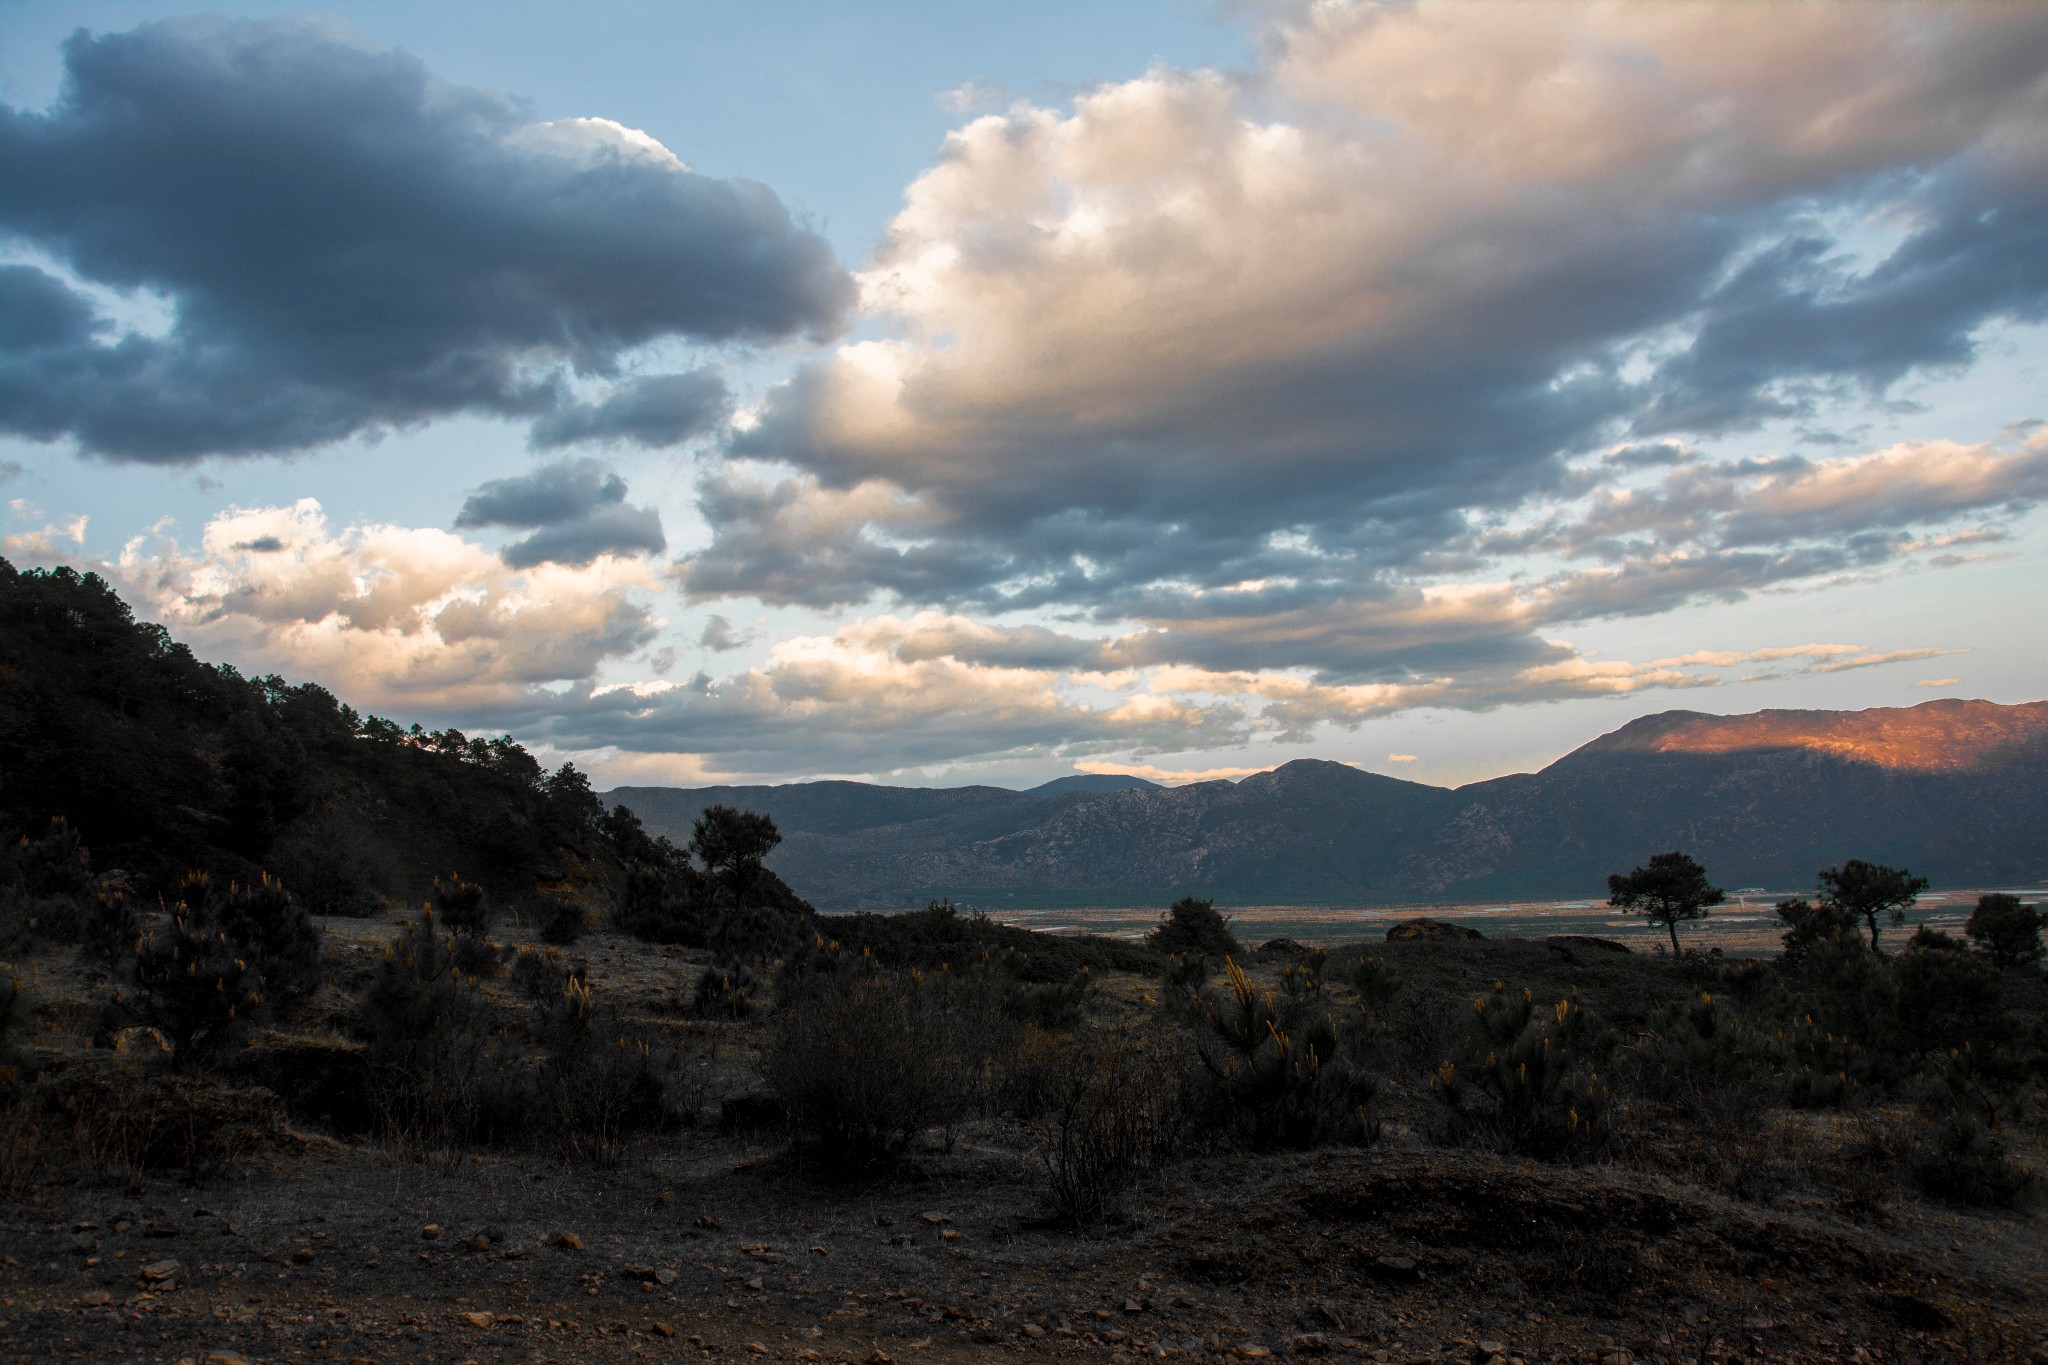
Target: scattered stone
1251,1352
157,1272
1486,1350
878,1356
96,1298
302,1256
1133,1306
1034,1331
568,1241
1426,928
1392,1267
1308,1344
935,1219
708,1223
662,1329
481,1321
223,1358
430,1232
479,1243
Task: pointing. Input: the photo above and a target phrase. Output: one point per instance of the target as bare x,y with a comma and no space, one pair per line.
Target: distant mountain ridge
1957,790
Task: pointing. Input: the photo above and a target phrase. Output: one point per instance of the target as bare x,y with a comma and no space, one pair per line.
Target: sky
984,392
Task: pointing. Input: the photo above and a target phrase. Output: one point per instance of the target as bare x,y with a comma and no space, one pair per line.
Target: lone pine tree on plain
1671,888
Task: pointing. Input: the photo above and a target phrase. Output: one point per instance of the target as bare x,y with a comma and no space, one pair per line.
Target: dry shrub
866,1061
1121,1110
118,1121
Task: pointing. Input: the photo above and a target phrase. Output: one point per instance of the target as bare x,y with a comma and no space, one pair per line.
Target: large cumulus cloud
1341,328
347,243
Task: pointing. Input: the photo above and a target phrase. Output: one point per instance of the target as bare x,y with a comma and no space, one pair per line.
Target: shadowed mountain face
1957,790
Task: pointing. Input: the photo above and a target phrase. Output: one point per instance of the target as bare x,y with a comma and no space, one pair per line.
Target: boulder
1408,929
1282,947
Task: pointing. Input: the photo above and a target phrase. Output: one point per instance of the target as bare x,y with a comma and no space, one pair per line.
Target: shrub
724,993
542,976
598,1085
277,934
1279,1079
1526,1081
108,925
863,1062
655,906
1969,1164
562,919
435,1080
44,885
462,906
194,985
1811,927
475,955
1117,1112
2007,930
1194,928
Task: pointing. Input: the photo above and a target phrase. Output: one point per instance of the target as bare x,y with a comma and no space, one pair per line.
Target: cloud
1895,656
1328,320
1937,682
579,507
719,636
348,244
390,617
1401,758
658,410
1167,777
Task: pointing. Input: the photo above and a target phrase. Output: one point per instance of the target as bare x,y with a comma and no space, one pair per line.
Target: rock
935,1219
662,1329
1487,1350
1034,1331
479,1243
1282,947
1407,929
1133,1306
481,1321
223,1358
302,1256
96,1298
878,1356
1566,942
1251,1352
568,1241
708,1223
431,1232
1308,1344
156,1272
1392,1267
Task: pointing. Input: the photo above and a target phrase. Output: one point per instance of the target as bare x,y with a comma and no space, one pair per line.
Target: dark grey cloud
577,510
351,244
659,410
718,636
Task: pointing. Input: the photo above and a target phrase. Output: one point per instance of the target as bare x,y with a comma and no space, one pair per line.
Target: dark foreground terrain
1749,1232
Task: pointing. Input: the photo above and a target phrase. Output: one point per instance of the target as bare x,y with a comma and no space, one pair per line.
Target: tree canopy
1671,887
1870,891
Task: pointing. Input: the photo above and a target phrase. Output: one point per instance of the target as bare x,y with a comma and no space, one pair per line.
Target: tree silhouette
1868,890
2009,931
1671,888
731,843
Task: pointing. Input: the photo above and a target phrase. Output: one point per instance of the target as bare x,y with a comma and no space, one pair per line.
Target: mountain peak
1942,735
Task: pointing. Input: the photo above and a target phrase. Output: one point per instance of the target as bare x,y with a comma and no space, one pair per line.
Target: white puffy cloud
388,616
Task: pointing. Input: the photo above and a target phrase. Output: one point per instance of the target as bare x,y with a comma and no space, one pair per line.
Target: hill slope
1958,790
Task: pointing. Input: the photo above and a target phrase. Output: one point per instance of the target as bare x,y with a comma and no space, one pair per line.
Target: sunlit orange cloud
1171,777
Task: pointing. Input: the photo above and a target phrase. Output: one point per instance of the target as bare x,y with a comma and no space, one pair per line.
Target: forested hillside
162,763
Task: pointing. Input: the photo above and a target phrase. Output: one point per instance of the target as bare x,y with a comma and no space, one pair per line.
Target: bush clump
1194,928
1120,1108
1526,1080
1279,1074
864,1061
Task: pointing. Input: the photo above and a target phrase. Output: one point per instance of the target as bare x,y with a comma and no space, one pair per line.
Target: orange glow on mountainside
1935,735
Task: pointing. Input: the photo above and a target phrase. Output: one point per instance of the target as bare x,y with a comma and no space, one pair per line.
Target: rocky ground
715,1245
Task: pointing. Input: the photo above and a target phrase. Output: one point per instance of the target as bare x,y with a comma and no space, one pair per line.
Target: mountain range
1956,790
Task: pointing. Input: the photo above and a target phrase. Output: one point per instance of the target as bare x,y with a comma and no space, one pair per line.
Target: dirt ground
711,1245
